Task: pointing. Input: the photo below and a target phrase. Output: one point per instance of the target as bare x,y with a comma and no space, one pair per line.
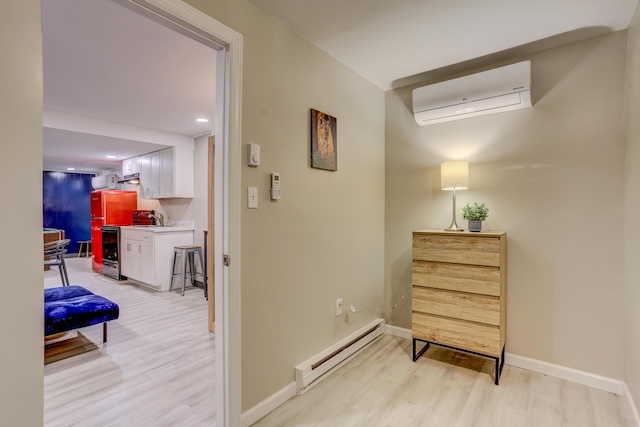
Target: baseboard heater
315,369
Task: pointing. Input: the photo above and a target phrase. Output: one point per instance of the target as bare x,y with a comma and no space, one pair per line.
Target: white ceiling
106,62
387,41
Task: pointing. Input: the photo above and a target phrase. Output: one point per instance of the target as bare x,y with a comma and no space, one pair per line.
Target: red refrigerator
109,207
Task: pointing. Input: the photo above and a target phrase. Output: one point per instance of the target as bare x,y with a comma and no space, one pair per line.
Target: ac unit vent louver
501,89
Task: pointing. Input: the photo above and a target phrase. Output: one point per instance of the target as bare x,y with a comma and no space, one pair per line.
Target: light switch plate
252,198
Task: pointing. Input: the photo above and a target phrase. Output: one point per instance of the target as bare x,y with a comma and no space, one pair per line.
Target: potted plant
475,214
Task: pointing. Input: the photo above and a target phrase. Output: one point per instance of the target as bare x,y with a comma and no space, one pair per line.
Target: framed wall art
324,141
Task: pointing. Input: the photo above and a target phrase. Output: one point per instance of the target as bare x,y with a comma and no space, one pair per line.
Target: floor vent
320,366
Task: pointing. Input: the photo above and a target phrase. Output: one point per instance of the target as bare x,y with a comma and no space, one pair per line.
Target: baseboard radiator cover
318,367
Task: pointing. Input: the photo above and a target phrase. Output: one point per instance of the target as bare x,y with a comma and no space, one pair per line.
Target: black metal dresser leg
422,350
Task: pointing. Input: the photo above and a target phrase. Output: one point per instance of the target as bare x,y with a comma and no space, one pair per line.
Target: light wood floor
156,369
383,387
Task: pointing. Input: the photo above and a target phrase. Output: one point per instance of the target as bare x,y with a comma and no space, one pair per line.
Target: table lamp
454,175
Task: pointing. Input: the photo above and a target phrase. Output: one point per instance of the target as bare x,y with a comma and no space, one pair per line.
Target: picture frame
324,141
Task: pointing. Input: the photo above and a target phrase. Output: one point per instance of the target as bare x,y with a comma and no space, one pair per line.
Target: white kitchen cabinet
150,175
129,257
167,173
147,255
137,255
131,166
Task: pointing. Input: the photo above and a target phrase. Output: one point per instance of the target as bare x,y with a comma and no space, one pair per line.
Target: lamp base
454,226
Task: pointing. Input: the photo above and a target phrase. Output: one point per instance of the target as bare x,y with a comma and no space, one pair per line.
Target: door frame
225,195
210,273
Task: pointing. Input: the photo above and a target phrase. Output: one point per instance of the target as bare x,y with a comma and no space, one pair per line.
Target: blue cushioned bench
74,307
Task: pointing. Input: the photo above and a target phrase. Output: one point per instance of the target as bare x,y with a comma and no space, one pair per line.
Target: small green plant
475,212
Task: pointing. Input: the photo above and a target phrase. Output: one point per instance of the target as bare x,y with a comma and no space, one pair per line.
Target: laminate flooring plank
480,407
577,406
609,409
510,398
157,368
382,387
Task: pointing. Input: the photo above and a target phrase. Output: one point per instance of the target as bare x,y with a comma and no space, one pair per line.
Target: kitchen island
146,253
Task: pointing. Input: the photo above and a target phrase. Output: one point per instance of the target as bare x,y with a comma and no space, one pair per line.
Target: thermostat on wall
253,155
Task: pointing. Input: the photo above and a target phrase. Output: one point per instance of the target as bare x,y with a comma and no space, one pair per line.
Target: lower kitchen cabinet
130,256
147,256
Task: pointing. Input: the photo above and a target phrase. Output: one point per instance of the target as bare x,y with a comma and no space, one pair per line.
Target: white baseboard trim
580,377
397,331
565,373
633,409
269,404
562,372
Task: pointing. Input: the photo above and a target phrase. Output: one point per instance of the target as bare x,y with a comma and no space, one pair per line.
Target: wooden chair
54,256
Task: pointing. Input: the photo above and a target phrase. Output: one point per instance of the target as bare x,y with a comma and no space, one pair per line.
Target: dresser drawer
458,249
464,335
457,305
457,277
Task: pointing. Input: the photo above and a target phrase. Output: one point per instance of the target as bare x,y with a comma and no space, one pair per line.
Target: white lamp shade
454,175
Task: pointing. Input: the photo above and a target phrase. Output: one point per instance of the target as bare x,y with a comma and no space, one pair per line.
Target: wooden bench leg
104,332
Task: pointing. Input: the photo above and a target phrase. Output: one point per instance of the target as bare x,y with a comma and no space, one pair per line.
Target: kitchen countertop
158,229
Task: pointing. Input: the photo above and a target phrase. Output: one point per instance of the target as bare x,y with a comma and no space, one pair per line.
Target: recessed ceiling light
111,157
202,120
71,169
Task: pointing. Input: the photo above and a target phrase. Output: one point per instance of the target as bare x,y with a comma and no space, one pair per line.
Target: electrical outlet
339,307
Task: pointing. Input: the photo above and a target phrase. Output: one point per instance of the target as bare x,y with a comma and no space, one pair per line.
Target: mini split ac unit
494,91
105,182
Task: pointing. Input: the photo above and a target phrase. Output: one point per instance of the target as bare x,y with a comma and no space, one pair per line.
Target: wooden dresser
459,292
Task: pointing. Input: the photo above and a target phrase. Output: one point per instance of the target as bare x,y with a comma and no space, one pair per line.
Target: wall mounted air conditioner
494,91
105,182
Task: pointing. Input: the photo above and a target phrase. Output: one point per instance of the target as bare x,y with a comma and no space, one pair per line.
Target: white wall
553,178
21,316
200,188
185,209
171,209
632,205
549,174
324,239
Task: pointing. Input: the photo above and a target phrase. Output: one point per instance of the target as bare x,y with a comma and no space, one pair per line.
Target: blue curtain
66,204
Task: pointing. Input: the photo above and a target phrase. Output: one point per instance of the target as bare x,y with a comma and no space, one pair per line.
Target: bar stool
185,252
87,247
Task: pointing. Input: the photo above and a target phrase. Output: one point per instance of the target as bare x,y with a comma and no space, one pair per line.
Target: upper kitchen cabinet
167,173
150,175
130,166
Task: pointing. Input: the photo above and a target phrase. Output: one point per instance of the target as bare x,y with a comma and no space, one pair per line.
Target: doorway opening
226,193
224,213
